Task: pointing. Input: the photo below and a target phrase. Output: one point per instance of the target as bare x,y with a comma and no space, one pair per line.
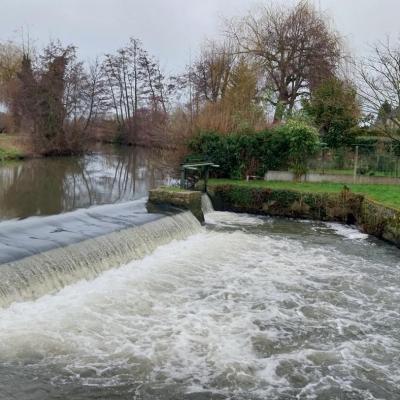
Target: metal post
206,174
356,165
183,177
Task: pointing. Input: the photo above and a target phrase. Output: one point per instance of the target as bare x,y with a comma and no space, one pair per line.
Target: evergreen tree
335,111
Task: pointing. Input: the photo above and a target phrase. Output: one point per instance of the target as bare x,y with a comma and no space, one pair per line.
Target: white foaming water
347,231
206,204
223,314
227,219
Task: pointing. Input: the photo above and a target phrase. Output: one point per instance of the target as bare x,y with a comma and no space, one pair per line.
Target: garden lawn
388,195
8,148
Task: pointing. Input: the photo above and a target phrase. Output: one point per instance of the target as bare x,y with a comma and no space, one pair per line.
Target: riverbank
388,195
372,208
11,148
17,147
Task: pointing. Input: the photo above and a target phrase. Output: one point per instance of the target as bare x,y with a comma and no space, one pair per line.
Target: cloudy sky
169,28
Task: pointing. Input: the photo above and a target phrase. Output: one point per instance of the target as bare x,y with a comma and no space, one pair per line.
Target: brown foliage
238,108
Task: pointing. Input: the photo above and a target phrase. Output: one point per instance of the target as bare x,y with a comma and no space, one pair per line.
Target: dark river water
54,185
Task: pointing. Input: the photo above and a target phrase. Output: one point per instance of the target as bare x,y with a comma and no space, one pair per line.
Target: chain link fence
377,159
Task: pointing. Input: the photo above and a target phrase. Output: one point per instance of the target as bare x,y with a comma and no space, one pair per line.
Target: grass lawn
9,149
385,194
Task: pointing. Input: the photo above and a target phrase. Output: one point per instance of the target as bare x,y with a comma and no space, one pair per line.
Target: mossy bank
346,207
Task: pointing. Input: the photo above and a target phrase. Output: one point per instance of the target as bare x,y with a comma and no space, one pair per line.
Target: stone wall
380,221
162,198
342,207
346,207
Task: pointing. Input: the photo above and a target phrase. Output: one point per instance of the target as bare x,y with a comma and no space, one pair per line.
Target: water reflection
110,175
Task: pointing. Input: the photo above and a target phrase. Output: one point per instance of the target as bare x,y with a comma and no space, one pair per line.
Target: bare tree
379,86
295,47
95,93
211,71
153,85
10,66
135,86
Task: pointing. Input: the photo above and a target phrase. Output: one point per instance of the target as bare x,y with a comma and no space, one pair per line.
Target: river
110,174
244,308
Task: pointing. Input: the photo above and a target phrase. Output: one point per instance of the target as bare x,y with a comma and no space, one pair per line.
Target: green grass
388,195
10,154
9,148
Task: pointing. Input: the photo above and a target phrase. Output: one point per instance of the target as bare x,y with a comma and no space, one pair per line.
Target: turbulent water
247,308
206,204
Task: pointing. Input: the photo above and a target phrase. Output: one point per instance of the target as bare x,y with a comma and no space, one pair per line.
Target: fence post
355,165
183,178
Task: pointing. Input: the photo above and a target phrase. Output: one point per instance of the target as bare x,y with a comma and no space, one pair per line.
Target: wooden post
356,164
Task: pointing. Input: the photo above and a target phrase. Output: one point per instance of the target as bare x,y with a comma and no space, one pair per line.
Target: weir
206,204
25,238
32,277
250,307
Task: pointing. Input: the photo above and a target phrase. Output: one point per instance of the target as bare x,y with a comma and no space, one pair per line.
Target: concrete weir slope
345,207
34,235
49,271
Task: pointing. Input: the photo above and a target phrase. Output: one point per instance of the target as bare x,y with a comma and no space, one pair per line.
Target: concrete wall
346,207
162,198
380,221
288,176
340,207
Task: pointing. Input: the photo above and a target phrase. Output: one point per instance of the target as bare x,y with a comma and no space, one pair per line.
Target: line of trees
270,66
285,62
61,103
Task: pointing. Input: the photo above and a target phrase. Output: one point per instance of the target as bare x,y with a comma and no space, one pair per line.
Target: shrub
251,153
9,154
239,154
303,143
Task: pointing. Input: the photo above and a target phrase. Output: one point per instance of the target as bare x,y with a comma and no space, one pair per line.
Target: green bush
9,154
254,153
335,110
303,143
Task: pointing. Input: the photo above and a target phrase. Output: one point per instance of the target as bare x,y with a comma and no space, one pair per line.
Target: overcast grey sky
169,28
